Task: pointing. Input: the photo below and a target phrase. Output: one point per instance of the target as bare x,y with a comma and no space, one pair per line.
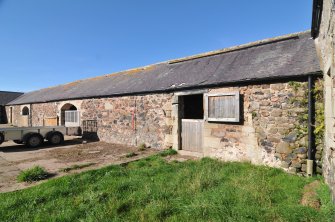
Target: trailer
35,136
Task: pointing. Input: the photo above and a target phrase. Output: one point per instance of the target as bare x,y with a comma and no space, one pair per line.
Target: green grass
33,174
76,167
168,152
155,190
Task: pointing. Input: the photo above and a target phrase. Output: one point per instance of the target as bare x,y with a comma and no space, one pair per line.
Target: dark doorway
191,122
3,115
193,107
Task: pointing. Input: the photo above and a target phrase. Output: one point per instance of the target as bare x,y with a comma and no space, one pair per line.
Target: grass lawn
154,190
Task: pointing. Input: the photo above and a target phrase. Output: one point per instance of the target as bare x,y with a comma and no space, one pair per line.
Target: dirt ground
15,158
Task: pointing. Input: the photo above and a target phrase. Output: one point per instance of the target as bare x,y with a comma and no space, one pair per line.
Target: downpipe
311,124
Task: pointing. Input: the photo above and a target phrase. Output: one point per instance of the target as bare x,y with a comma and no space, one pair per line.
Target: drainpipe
311,120
30,121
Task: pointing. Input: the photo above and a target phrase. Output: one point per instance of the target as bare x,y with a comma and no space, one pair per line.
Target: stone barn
244,103
6,97
323,31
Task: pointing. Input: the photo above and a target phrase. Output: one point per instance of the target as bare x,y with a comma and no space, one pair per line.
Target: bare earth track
14,158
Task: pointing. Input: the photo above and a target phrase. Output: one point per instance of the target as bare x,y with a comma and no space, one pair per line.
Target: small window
222,107
25,111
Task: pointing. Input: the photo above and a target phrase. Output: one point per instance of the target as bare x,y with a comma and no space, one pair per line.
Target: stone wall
130,120
15,115
325,45
270,131
41,111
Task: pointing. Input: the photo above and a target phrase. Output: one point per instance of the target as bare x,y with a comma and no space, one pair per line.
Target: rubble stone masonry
326,50
268,133
130,120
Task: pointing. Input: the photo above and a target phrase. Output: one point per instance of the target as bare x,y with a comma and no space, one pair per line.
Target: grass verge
156,190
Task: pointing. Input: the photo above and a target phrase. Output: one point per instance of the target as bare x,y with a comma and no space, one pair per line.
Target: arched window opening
25,111
69,115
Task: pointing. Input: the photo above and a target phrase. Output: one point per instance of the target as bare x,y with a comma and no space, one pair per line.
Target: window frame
236,119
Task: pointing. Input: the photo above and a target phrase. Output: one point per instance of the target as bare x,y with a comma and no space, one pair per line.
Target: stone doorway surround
176,117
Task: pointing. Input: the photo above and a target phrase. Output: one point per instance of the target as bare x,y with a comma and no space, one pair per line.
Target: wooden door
192,135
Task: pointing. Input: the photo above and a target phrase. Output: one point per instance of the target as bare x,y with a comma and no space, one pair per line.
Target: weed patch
76,167
33,174
142,147
132,154
168,152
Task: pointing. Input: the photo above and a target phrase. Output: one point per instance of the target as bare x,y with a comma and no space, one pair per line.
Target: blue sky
50,42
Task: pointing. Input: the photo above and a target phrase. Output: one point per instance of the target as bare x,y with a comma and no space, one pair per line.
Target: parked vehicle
35,136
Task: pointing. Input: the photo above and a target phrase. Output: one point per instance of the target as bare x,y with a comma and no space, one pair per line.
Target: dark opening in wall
25,111
3,116
193,106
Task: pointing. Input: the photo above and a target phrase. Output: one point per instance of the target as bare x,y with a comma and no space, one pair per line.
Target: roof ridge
240,47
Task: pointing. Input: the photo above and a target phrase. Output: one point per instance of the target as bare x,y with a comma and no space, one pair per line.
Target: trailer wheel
34,140
2,138
18,141
56,138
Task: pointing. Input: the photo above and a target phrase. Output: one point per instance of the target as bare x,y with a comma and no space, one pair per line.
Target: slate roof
6,97
271,59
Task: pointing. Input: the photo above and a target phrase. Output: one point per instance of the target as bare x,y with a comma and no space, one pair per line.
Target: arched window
25,111
69,115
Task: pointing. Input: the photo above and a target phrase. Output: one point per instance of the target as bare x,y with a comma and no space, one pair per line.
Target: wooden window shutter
222,107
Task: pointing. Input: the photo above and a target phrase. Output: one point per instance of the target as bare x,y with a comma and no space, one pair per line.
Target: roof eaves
176,89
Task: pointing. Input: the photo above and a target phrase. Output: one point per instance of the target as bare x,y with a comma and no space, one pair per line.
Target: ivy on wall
319,113
301,127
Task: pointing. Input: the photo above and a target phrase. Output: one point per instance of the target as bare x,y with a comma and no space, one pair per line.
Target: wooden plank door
192,135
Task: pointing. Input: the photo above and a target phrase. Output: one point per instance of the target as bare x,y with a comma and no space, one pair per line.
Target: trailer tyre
56,138
34,140
2,138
